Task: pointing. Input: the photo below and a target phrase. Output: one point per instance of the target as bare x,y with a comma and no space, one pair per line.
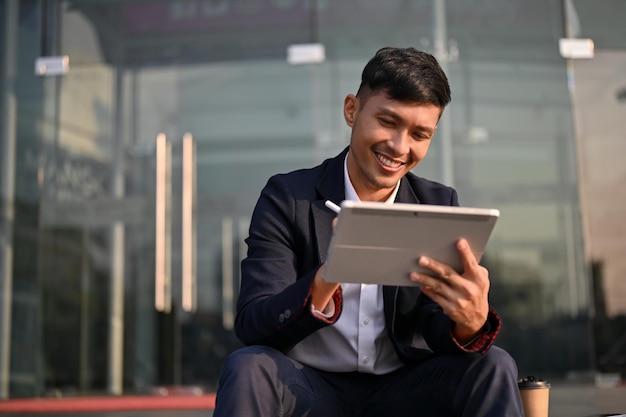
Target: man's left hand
464,298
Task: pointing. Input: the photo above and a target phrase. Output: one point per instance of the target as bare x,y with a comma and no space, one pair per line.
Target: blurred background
136,136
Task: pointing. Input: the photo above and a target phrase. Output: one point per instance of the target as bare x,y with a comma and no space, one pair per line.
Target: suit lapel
406,193
331,187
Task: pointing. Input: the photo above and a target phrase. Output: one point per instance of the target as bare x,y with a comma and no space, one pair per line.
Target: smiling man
315,348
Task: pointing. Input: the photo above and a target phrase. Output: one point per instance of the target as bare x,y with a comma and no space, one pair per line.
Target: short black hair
406,74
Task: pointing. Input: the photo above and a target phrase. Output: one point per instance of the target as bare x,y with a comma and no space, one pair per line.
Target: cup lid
532,382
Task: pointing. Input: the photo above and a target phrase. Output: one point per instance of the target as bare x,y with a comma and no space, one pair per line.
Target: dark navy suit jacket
290,232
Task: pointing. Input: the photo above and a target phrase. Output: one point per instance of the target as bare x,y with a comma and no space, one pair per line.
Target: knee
248,361
498,363
490,386
248,383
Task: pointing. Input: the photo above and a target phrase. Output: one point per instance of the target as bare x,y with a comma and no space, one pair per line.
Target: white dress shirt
357,341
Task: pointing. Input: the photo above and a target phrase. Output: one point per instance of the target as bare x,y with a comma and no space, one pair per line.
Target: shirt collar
351,192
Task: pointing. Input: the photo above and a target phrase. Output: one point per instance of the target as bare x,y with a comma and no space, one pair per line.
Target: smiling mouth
390,163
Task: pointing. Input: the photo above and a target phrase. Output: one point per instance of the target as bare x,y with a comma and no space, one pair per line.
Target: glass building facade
128,180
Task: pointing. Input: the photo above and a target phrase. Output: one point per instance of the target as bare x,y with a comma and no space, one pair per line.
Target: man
316,348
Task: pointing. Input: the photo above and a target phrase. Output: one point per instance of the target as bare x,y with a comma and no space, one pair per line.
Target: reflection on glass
188,245
162,268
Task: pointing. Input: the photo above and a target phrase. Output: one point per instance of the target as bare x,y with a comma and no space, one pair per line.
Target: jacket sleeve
437,330
274,304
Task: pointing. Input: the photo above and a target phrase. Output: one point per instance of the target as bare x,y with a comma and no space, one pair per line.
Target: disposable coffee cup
535,396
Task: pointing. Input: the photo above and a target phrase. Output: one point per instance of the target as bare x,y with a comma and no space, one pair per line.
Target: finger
432,285
467,256
439,269
440,294
423,279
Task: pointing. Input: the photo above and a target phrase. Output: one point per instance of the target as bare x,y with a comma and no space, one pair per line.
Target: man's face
389,138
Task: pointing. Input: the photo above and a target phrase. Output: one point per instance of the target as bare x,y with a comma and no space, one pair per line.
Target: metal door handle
188,249
163,241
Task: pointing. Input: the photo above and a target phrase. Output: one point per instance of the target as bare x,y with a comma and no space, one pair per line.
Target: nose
400,142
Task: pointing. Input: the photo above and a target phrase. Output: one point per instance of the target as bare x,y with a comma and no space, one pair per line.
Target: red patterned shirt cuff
487,336
337,300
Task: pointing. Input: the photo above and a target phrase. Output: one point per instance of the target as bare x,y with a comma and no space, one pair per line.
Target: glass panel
23,120
250,115
86,226
75,252
513,148
599,93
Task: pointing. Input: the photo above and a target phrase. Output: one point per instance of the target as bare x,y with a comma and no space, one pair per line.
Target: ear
350,108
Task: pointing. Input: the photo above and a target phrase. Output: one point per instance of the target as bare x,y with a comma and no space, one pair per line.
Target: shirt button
366,360
366,321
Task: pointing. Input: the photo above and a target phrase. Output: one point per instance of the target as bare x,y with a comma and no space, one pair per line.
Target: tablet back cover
379,243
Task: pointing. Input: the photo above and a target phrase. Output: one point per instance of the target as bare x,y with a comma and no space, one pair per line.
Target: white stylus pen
334,207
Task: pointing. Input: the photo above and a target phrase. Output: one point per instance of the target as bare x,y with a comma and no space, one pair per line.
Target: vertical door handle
163,241
228,296
188,249
229,287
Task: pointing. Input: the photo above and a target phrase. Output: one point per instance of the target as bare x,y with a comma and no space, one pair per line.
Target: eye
386,122
421,136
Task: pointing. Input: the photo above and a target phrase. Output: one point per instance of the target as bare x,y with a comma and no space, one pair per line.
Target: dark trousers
261,381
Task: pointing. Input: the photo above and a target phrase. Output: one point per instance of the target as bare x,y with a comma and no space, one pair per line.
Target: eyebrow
396,116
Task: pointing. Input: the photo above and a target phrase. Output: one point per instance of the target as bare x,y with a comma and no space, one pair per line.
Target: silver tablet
379,243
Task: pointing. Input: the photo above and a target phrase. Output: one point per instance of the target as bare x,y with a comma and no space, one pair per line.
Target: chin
386,183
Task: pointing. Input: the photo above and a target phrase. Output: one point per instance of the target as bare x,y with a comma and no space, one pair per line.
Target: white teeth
388,162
